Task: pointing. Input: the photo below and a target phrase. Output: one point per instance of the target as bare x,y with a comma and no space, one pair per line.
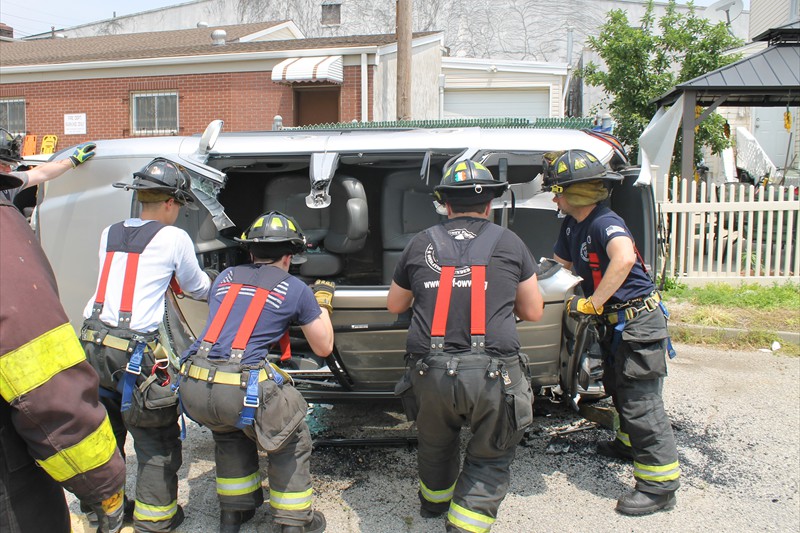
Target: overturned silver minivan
360,195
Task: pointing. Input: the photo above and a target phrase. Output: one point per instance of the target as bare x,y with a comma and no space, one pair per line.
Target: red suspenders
247,324
477,307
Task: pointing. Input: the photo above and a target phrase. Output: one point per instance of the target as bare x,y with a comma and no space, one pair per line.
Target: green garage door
487,103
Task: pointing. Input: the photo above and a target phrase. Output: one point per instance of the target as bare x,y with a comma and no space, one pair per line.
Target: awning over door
326,69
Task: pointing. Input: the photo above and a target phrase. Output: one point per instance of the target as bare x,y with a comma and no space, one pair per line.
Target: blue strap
110,394
276,377
617,337
132,372
248,413
670,350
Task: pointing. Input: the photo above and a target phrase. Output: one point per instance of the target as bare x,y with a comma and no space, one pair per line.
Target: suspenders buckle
452,366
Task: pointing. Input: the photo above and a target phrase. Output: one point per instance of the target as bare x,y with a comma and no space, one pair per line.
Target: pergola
770,78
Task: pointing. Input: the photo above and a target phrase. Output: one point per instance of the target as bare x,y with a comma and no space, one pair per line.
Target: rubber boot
317,525
231,521
639,503
615,450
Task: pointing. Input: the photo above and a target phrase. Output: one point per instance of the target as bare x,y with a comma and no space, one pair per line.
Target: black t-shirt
577,240
418,271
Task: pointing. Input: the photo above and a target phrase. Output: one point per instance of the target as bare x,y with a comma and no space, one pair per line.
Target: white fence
730,233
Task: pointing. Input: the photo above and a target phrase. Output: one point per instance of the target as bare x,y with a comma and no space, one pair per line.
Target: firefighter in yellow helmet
54,432
619,294
466,279
229,386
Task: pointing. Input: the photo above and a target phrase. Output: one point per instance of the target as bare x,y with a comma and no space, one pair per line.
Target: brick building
176,82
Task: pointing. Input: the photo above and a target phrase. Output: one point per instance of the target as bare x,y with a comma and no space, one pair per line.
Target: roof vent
202,24
218,37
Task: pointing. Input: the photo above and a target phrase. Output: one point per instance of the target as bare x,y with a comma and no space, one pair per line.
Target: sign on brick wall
75,124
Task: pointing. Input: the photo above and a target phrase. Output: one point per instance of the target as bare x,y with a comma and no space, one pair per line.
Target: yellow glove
323,292
576,307
110,513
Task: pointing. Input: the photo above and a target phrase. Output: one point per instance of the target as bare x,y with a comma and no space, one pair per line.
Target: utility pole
403,22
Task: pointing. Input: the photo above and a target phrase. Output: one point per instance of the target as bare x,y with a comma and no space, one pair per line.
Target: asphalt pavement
736,417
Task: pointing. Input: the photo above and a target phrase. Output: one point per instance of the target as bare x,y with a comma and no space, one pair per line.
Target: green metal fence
575,123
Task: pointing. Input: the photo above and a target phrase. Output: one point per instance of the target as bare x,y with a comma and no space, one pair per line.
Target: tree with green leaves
643,62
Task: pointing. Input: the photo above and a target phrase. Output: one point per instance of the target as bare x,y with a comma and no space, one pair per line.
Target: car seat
340,228
407,209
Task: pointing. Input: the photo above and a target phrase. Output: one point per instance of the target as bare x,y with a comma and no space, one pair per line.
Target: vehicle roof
297,142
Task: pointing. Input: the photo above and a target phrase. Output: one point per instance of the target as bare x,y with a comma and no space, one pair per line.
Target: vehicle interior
378,202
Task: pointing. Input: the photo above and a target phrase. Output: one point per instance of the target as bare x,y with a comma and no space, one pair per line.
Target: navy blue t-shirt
290,302
577,240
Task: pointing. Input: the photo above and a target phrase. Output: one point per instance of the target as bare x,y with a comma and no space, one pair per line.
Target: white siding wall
426,64
766,14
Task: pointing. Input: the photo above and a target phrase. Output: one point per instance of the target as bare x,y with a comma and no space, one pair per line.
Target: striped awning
326,69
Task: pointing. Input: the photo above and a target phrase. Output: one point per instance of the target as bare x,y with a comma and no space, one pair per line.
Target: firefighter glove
577,307
110,513
323,291
82,153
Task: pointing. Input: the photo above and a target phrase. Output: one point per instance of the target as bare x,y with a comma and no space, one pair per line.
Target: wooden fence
730,233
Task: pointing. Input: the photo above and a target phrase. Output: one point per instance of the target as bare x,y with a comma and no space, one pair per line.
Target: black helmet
467,182
568,167
165,176
273,229
10,146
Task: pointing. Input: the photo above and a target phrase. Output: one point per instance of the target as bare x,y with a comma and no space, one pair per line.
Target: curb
733,333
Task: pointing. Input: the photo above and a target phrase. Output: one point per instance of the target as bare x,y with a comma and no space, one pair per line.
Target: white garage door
489,103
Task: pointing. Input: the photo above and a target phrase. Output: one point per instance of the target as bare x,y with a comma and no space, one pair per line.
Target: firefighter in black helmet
229,386
466,279
619,294
120,335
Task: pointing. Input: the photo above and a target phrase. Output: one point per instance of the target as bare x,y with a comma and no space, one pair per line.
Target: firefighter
229,385
620,295
10,158
465,280
54,432
138,259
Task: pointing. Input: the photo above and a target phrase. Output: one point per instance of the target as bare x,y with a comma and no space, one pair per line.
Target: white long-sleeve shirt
170,251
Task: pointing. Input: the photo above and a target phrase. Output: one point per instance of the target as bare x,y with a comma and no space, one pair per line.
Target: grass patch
750,296
713,316
749,340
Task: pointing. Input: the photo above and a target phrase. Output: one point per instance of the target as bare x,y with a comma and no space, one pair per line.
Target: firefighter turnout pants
155,432
444,393
212,393
633,373
30,500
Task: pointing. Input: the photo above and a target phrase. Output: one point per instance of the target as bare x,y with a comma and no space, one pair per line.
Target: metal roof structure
770,78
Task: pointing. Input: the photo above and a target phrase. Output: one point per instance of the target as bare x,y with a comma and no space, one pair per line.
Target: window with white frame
154,113
12,115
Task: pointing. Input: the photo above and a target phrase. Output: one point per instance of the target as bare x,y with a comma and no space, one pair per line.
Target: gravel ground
736,417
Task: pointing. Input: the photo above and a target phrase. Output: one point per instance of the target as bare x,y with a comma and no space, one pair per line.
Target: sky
37,16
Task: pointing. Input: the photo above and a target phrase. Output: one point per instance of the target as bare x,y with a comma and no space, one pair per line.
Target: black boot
317,525
615,450
639,503
231,521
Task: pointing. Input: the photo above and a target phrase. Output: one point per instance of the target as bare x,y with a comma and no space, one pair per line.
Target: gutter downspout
364,89
442,79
